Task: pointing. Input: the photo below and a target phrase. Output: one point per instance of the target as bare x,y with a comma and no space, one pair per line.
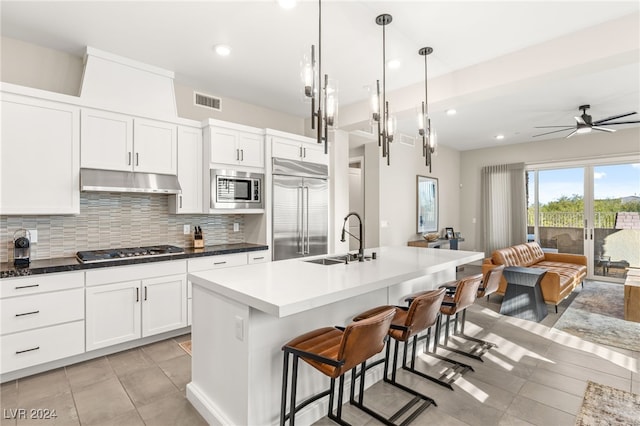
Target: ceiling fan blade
580,120
555,131
551,127
604,129
613,117
622,122
571,134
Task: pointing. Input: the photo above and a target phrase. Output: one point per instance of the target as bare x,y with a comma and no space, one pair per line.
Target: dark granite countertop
66,264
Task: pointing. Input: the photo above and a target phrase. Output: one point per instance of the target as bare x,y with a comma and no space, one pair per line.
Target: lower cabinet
124,311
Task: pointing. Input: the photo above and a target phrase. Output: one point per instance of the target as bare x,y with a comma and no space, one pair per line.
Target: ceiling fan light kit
585,124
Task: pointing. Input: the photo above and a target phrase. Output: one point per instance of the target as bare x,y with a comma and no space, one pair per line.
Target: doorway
356,197
591,209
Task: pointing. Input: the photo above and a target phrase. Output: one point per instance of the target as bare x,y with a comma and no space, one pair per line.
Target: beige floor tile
558,381
147,385
128,418
89,372
40,386
9,394
496,376
552,397
178,370
173,409
162,351
538,414
584,373
509,420
58,410
601,362
128,361
101,401
183,338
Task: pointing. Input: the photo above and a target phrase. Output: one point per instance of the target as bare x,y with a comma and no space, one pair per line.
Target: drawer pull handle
145,292
28,313
137,294
27,286
27,350
258,258
219,263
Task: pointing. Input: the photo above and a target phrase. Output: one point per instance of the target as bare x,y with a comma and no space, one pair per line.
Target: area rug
186,346
596,315
604,405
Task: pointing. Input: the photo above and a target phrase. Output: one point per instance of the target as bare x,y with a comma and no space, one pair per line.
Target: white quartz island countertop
287,287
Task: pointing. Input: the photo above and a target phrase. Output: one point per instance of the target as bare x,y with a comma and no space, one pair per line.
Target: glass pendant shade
307,75
392,125
332,103
374,103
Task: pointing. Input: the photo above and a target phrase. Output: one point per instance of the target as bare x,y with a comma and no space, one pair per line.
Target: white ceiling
268,43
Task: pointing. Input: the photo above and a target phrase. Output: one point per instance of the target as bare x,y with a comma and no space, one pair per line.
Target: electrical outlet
186,230
34,235
236,227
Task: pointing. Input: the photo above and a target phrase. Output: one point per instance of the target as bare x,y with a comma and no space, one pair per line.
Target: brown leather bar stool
465,294
421,314
334,351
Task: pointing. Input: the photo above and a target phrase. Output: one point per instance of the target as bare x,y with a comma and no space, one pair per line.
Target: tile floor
536,375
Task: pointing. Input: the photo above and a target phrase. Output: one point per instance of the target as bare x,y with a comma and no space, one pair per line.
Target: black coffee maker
21,248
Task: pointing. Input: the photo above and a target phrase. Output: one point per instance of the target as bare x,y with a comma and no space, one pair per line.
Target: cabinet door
113,314
251,148
107,140
283,148
189,172
224,146
155,147
164,306
314,153
39,135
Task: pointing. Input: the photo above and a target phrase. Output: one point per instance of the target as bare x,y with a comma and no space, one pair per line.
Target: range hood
116,181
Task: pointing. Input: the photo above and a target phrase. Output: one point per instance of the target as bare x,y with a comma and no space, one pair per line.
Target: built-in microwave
231,189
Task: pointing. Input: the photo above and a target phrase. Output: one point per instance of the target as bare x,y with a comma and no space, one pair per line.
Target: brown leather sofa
564,271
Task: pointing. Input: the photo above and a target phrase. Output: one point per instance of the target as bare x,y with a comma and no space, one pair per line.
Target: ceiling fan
585,124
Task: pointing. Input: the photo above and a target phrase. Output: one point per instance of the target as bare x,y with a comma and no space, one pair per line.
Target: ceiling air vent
207,101
406,139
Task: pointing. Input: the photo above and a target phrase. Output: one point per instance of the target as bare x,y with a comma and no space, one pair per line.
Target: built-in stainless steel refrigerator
300,209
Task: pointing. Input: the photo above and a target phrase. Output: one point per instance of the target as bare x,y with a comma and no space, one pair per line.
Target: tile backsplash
109,220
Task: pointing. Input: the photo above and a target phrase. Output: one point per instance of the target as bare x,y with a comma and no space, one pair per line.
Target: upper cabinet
39,157
293,147
113,141
234,145
189,172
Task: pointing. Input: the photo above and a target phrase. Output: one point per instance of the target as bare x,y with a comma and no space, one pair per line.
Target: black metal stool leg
285,381
294,385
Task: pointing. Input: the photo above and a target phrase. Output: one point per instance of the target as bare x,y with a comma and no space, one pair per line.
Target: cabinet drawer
22,350
258,256
41,310
215,262
124,273
40,283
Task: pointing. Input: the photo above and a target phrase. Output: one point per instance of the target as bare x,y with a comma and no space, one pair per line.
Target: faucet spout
360,236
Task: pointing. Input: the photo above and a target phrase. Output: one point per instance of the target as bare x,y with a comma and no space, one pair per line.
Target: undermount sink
334,259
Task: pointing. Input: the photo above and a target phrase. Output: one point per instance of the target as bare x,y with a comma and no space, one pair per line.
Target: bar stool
464,295
421,314
334,351
489,285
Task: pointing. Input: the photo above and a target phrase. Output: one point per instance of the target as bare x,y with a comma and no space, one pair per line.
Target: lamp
425,129
327,100
380,106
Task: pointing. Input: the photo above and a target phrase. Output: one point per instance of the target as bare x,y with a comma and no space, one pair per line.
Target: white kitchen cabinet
297,148
42,319
258,256
189,172
37,136
241,146
112,141
129,302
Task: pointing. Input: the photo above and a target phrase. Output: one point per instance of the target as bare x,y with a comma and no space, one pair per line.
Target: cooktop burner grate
127,253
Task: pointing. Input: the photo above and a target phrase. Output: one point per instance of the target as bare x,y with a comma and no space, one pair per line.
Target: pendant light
324,116
425,128
380,106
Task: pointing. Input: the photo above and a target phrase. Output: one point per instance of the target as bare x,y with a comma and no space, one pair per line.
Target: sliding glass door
593,210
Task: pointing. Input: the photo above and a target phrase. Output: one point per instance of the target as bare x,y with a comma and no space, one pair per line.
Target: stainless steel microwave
231,189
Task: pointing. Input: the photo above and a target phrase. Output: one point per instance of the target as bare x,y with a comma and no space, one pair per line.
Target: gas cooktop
126,253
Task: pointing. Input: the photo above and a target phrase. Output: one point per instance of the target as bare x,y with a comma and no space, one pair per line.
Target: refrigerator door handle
306,212
300,220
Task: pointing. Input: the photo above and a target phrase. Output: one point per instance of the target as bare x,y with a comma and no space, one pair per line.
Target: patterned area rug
604,405
186,346
596,315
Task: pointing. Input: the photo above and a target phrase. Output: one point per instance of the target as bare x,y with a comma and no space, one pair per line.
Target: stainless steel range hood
117,181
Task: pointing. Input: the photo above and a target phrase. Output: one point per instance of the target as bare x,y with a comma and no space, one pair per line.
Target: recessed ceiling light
393,64
499,137
287,4
222,49
451,111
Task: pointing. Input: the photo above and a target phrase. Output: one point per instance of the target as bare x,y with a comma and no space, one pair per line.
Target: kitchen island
242,316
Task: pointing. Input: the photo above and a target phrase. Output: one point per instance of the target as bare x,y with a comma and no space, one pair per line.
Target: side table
523,298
